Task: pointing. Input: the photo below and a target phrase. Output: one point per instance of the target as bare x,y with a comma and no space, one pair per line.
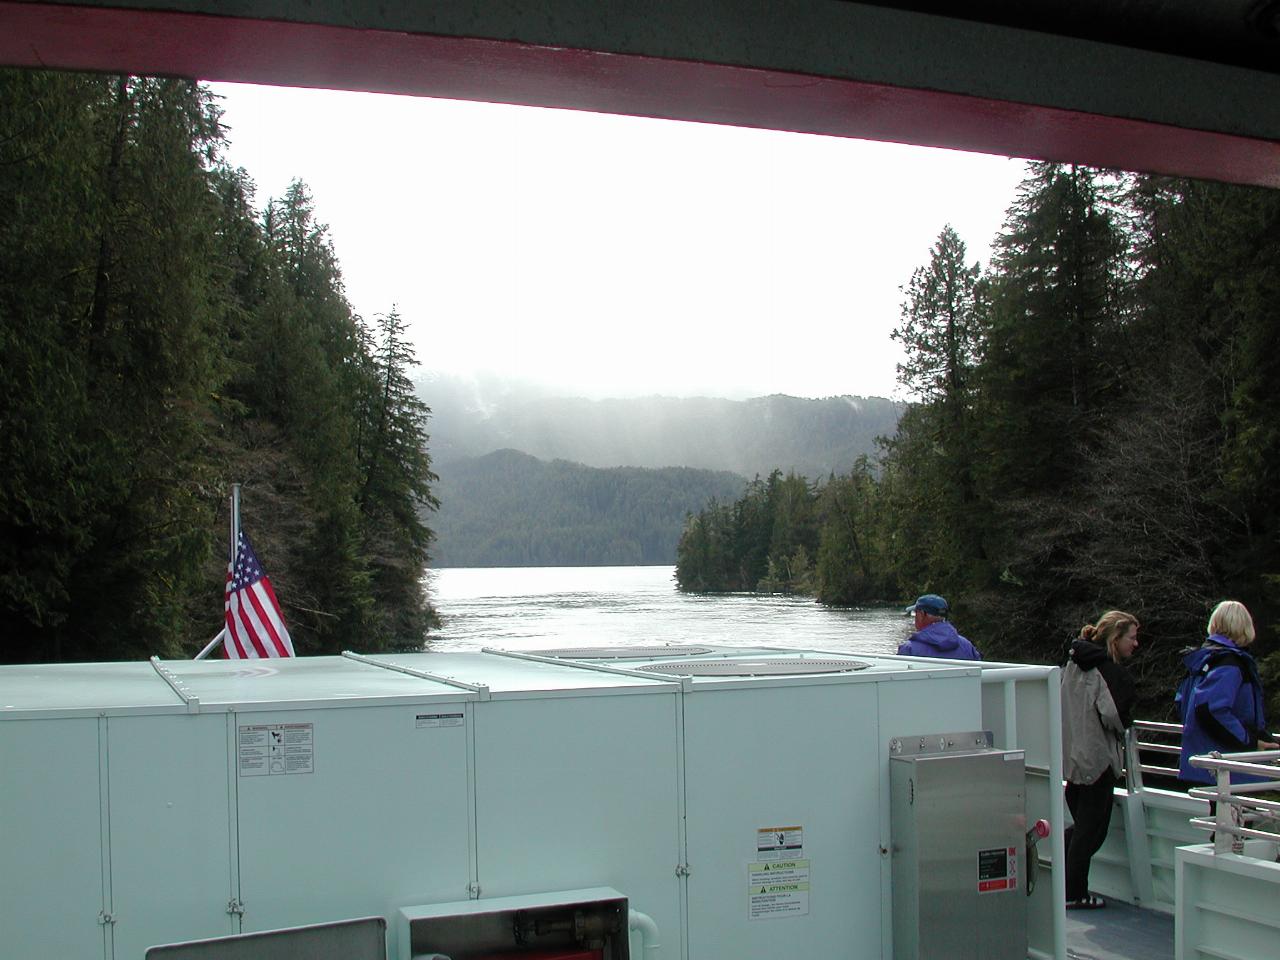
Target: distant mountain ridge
747,437
507,508
528,478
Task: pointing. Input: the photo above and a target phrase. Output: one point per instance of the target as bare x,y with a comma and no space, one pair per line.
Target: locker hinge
105,918
235,907
473,890
682,870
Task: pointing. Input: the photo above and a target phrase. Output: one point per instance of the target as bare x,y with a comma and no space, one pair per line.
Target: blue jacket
939,639
1226,711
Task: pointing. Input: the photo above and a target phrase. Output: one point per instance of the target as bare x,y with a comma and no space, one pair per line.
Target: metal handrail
1235,800
1135,741
1157,726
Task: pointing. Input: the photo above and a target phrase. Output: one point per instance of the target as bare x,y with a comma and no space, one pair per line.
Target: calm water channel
524,608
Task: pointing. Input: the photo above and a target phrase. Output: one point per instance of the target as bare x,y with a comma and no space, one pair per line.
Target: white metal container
745,816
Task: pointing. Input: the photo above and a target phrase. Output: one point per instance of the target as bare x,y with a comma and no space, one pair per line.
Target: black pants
1090,806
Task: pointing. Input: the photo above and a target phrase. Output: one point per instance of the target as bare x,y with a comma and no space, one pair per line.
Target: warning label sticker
997,869
267,749
777,889
776,843
427,721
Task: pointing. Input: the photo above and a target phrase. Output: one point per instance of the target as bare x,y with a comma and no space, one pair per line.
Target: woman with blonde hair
1223,710
1097,700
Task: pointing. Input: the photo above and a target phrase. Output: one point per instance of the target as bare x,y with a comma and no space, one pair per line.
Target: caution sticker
431,721
777,888
997,869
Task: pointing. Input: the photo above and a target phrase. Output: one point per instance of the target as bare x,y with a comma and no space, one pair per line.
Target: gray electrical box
958,810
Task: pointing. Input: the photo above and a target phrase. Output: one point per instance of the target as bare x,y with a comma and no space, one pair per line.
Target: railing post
1224,841
1137,842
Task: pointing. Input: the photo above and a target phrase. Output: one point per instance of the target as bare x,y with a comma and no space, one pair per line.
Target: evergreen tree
753,531
939,329
108,275
1056,308
46,159
941,333
852,566
704,561
299,429
160,342
1054,364
396,490
1198,432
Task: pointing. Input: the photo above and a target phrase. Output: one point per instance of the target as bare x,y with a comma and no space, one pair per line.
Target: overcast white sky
618,256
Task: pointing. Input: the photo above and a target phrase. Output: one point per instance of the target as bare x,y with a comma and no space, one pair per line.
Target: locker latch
235,907
105,918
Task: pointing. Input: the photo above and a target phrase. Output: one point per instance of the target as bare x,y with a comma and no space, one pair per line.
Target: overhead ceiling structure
1184,87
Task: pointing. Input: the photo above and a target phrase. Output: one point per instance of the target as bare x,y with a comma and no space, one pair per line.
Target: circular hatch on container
620,653
755,668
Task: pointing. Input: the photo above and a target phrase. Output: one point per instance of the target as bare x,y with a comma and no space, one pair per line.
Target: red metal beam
310,55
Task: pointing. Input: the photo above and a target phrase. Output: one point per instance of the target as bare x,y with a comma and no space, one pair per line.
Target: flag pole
235,518
208,648
235,537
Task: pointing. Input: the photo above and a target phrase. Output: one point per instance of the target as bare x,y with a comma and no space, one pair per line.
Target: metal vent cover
364,939
620,653
755,668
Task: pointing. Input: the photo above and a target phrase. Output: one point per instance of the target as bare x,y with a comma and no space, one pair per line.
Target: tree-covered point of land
160,338
1096,425
787,534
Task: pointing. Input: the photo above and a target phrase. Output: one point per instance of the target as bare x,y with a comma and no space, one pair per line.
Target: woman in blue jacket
1225,709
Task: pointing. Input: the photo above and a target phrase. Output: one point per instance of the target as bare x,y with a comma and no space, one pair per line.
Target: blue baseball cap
931,604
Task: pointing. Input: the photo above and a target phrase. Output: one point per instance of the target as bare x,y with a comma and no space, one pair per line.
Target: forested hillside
510,509
159,339
1098,427
811,437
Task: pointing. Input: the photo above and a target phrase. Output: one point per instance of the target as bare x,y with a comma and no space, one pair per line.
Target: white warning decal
777,843
271,749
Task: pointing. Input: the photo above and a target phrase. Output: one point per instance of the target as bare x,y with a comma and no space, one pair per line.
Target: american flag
255,626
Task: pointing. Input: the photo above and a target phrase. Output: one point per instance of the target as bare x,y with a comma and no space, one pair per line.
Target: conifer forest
160,339
1096,426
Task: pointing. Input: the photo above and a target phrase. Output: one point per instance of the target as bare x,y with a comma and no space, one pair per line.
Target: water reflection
525,608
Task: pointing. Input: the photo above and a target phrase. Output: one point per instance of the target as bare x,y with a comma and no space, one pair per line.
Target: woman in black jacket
1097,704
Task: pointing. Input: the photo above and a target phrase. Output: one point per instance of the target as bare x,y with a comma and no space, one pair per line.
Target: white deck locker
803,759
171,869
379,818
581,792
51,889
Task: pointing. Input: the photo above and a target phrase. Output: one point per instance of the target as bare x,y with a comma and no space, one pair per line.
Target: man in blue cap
935,636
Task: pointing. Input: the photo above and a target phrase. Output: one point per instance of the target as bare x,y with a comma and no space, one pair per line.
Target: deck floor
1119,932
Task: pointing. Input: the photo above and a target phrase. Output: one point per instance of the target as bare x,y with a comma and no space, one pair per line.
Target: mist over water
527,608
